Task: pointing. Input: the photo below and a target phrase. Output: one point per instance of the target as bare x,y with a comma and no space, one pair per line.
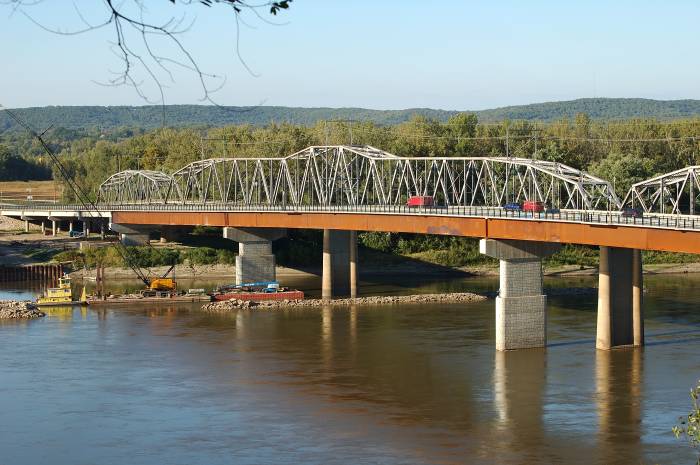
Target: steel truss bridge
364,188
363,176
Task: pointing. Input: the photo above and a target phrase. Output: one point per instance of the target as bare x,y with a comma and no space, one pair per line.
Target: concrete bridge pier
339,275
132,234
86,228
620,287
255,261
521,306
172,234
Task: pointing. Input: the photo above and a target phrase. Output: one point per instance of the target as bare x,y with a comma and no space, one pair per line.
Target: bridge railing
572,216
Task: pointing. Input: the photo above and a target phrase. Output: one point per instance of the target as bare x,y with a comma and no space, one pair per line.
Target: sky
391,54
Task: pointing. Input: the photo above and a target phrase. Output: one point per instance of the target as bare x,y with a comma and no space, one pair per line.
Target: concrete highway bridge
345,189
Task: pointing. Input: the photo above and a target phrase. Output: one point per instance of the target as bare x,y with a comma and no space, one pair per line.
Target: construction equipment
163,283
89,205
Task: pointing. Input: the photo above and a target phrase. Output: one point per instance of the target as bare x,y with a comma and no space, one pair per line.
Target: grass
38,190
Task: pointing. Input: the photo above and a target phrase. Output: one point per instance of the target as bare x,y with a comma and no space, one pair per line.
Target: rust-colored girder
634,237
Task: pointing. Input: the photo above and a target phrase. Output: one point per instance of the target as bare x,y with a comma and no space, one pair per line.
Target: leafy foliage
15,168
105,120
689,426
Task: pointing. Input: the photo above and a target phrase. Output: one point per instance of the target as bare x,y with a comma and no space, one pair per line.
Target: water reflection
390,385
519,380
618,375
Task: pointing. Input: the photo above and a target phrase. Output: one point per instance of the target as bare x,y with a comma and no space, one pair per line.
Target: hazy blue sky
377,54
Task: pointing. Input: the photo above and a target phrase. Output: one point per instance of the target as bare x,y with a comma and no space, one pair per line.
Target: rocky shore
230,305
19,310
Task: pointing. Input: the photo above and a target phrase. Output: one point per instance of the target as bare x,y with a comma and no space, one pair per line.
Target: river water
384,385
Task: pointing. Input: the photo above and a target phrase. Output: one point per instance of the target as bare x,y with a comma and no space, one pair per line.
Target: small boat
61,295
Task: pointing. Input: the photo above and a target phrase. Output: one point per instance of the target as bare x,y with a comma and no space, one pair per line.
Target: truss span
364,175
677,192
138,186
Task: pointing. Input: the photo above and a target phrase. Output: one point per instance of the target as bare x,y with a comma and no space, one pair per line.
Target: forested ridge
622,151
107,118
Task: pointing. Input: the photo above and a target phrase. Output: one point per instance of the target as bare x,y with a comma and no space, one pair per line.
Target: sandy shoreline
228,271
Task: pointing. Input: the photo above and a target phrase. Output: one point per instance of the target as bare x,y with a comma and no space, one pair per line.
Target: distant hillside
84,117
597,108
79,117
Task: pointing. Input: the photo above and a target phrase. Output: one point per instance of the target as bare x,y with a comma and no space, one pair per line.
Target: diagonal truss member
366,176
677,192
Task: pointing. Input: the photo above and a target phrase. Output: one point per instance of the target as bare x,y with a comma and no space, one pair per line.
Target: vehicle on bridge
420,201
533,206
512,207
630,212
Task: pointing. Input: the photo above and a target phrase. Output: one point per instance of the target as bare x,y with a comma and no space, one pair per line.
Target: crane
152,284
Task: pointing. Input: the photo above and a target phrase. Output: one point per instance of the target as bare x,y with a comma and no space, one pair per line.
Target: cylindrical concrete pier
637,298
327,272
353,264
615,298
603,336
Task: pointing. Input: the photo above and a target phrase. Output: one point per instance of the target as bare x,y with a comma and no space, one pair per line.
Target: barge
139,299
259,296
257,292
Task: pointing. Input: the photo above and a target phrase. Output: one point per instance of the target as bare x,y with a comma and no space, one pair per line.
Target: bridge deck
673,233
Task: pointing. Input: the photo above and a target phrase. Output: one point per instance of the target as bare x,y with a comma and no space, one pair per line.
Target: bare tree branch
130,15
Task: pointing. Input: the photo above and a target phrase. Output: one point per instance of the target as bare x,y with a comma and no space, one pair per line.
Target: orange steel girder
634,237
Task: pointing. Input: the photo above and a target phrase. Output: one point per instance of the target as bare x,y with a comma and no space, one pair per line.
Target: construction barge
256,292
163,291
139,299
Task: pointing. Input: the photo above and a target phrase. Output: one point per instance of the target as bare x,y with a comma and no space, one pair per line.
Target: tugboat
61,295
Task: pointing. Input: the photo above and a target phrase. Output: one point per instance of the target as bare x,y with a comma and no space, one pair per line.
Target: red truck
533,206
420,201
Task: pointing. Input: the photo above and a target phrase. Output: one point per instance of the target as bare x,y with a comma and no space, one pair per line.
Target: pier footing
521,306
255,261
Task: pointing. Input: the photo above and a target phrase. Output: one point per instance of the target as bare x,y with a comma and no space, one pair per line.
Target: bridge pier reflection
618,396
519,381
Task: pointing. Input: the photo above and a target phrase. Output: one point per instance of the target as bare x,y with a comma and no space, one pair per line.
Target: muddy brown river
403,384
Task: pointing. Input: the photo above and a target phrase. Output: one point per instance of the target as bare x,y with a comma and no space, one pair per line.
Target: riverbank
13,309
409,268
32,248
233,304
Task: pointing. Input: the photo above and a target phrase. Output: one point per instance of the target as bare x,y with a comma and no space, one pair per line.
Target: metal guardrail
612,218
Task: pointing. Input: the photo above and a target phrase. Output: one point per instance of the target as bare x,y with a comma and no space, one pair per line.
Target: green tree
689,426
623,170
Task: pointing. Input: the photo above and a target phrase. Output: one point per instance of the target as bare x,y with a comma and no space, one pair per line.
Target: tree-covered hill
147,117
596,108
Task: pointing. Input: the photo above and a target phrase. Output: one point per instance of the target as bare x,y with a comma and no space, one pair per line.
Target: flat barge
61,304
137,299
258,296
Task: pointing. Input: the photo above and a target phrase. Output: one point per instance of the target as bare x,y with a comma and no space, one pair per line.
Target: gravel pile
18,309
229,305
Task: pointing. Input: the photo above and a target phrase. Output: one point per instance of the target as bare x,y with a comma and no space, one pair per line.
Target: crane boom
82,197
